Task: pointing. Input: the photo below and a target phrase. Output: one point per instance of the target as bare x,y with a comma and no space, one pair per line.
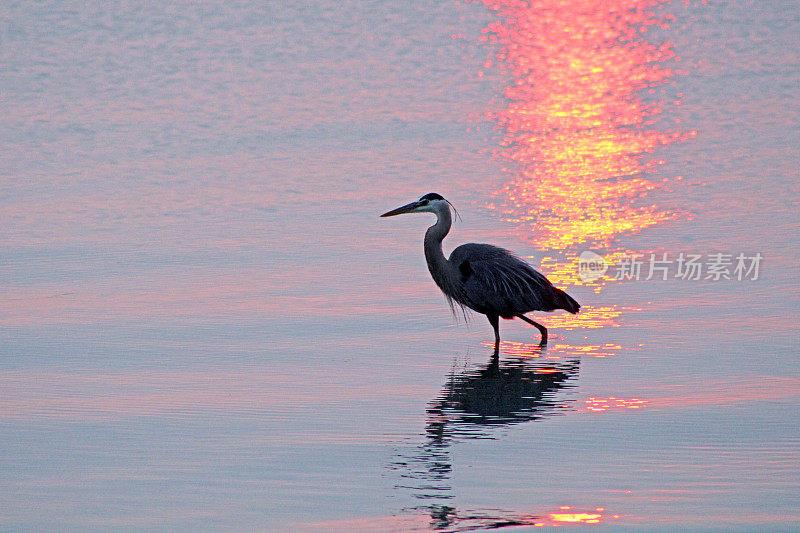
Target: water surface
206,326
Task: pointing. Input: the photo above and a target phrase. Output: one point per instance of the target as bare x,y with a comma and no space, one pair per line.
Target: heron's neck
433,241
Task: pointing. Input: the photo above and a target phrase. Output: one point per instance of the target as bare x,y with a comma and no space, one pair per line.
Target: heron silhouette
485,278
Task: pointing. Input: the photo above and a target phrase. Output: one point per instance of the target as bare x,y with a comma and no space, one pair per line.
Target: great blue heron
485,278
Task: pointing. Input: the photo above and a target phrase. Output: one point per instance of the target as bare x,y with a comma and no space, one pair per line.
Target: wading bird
485,278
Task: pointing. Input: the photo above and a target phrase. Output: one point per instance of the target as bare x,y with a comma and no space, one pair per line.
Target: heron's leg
494,320
541,328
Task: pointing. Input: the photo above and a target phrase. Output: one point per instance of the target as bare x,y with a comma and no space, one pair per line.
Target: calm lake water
204,325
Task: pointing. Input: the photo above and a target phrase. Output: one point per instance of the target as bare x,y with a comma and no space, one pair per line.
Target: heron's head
430,203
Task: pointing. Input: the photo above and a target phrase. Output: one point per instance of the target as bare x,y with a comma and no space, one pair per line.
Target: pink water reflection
187,293
715,394
247,393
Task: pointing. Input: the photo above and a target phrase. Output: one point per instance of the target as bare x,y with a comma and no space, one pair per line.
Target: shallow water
206,326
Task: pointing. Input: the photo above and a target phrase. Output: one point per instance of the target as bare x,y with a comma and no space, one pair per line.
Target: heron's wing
494,280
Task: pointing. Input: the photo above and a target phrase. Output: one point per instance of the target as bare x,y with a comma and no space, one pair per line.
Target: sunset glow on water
578,132
206,326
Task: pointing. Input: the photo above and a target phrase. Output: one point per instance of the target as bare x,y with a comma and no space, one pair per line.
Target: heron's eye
423,202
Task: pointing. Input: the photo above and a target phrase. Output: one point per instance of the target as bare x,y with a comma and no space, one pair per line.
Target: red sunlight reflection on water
575,126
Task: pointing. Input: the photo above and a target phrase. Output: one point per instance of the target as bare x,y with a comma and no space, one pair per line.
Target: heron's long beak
400,210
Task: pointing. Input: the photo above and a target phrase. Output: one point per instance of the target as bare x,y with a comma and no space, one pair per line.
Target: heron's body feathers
495,281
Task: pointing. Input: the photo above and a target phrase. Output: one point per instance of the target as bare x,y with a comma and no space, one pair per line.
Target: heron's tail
565,301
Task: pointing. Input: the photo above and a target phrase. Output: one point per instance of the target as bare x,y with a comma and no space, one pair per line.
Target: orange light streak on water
612,403
575,125
587,518
554,351
567,515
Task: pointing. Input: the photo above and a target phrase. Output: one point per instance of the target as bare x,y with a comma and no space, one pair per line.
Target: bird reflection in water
474,404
